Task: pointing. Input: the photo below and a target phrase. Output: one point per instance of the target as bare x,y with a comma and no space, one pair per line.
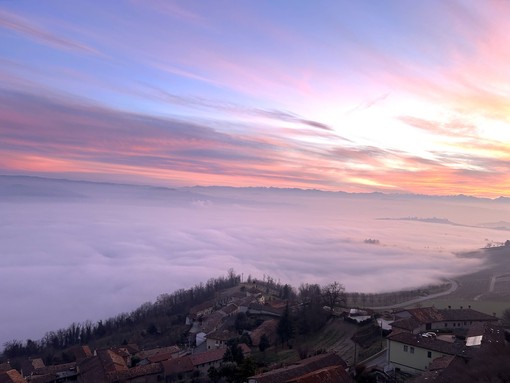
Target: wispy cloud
28,29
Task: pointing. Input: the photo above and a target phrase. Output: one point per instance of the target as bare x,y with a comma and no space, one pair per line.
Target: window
446,325
405,348
412,350
429,354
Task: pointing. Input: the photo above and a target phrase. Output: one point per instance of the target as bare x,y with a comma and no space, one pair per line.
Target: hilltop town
260,331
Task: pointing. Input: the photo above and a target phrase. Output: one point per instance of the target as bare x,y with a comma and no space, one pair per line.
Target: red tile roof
302,368
135,372
55,368
11,376
333,374
207,357
177,365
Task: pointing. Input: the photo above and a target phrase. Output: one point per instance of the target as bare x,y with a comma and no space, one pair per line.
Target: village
230,335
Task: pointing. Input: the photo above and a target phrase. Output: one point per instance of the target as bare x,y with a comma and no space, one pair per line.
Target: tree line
165,306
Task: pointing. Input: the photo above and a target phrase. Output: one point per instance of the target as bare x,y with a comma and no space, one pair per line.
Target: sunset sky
360,96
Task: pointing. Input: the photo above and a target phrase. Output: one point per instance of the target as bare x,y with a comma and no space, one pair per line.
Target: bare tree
333,295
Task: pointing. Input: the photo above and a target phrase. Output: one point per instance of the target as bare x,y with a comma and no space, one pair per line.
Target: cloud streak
25,28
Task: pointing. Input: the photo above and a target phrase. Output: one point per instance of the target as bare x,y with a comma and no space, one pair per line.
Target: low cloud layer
75,251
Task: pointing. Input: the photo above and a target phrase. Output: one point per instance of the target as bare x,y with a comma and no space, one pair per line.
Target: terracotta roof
212,321
132,348
408,324
96,368
302,368
177,365
419,316
91,370
441,362
111,361
135,372
11,376
201,307
268,328
443,370
29,365
81,352
160,357
55,368
426,314
160,350
207,357
222,335
333,374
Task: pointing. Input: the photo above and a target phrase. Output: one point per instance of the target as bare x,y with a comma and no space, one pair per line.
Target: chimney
469,306
449,307
461,307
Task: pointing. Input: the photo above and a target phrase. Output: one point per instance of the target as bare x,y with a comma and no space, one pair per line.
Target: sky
360,96
76,251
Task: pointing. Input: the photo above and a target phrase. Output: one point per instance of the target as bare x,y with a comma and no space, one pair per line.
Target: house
80,352
219,339
54,373
29,365
487,356
159,354
11,376
300,370
200,310
173,368
230,310
413,353
422,319
258,309
212,322
213,358
96,368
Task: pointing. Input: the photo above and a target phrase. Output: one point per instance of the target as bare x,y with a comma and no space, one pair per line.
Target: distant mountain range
33,186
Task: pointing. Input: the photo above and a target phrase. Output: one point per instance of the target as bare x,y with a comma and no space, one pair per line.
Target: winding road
453,286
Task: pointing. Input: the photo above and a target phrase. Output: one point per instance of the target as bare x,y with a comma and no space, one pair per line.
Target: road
453,286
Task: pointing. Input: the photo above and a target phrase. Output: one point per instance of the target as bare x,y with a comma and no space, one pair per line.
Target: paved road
453,286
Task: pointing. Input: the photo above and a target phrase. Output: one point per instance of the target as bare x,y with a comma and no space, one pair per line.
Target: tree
505,318
285,327
333,295
264,343
214,374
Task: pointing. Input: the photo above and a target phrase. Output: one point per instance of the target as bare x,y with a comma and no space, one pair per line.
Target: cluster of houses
211,327
424,344
427,342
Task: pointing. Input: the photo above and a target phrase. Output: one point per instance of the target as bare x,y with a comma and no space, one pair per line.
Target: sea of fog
72,251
